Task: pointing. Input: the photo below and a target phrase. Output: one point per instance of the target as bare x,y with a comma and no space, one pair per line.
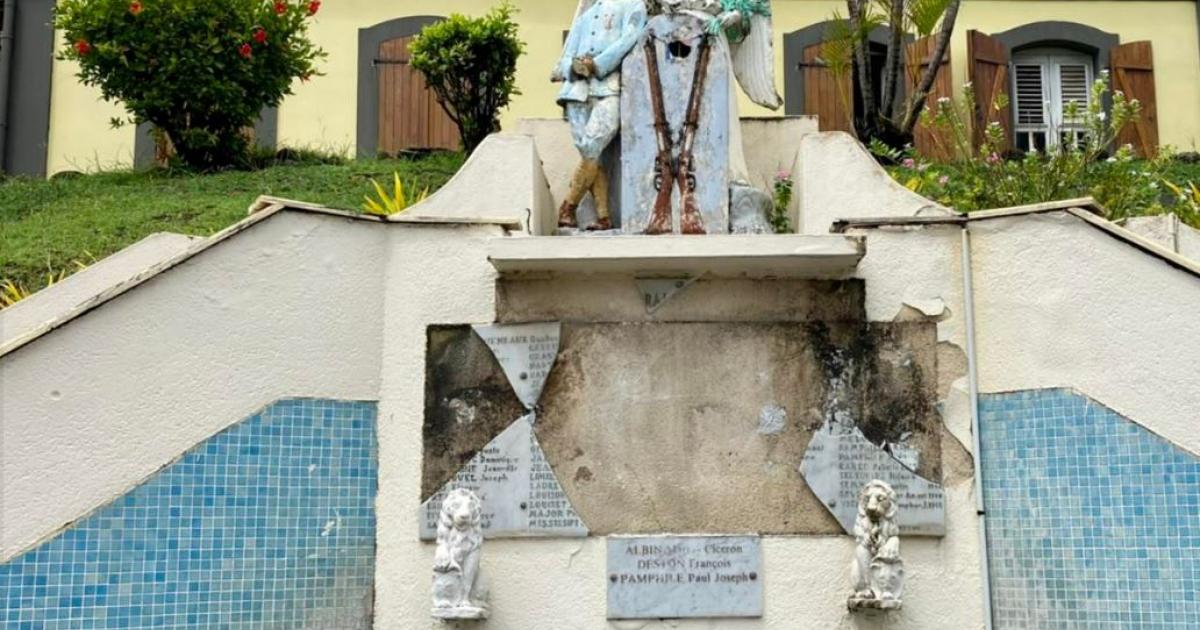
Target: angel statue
729,35
604,31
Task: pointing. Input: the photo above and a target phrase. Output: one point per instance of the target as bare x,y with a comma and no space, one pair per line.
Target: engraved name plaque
667,577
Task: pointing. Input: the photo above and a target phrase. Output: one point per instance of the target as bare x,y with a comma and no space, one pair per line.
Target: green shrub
780,200
979,178
471,65
200,71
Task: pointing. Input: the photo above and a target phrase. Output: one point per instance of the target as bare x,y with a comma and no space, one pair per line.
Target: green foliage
199,70
45,225
782,198
394,202
471,65
980,178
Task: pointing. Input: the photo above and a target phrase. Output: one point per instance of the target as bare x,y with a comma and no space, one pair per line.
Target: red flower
135,7
281,8
314,6
83,48
260,36
245,51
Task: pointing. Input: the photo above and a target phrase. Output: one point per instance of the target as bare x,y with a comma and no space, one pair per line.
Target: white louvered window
1045,81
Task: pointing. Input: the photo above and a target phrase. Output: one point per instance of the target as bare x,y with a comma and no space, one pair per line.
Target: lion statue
456,561
877,571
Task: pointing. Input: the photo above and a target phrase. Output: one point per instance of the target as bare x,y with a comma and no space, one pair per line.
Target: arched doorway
396,112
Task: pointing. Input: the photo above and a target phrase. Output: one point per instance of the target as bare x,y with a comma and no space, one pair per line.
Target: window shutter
1073,86
987,68
1133,74
1030,100
918,55
826,96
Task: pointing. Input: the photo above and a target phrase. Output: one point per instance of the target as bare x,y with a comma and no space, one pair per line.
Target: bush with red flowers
200,71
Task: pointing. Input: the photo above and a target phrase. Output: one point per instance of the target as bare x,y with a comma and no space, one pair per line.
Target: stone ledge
755,256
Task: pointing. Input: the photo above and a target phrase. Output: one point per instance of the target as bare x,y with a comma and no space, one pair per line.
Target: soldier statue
604,31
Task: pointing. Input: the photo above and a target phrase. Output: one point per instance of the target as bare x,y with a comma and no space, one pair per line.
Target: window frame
1050,60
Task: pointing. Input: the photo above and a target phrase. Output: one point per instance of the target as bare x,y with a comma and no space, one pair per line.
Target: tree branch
892,66
862,61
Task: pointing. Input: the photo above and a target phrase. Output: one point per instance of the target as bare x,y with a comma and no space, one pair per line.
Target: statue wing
754,63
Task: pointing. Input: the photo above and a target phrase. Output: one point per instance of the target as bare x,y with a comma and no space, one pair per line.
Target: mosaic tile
1093,521
268,524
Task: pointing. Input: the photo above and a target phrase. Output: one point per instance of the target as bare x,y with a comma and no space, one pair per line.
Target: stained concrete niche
693,426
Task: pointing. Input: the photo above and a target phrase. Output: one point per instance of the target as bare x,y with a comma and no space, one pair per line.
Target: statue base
460,612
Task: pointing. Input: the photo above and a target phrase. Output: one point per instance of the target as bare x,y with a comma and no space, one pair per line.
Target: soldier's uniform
603,34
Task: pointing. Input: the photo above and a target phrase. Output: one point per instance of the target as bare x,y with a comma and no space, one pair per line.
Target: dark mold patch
875,373
468,402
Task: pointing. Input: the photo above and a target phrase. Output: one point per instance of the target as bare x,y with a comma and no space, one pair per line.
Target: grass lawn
46,226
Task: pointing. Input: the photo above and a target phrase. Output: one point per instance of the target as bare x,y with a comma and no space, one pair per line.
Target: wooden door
928,141
410,117
987,68
827,96
1133,74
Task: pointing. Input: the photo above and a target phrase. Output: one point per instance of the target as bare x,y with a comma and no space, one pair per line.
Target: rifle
664,176
690,221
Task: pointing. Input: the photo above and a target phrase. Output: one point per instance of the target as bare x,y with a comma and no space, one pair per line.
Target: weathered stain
583,473
888,394
655,426
468,401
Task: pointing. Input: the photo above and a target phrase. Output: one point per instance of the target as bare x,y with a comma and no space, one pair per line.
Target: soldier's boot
581,181
600,195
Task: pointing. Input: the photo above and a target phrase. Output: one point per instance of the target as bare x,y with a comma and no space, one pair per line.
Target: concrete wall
326,306
290,307
322,113
1093,313
555,584
56,300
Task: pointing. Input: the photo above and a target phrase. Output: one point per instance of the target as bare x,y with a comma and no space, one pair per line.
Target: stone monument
877,571
456,561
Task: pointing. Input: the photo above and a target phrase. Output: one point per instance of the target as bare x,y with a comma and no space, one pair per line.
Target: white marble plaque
520,494
840,460
526,352
667,577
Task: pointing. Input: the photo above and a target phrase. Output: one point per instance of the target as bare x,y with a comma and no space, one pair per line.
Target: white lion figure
456,561
877,571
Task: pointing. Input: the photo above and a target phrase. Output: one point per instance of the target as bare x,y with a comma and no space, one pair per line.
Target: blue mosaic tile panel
268,524
1093,521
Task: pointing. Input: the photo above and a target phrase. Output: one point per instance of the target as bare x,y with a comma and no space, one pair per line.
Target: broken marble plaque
518,489
669,577
526,353
840,460
656,291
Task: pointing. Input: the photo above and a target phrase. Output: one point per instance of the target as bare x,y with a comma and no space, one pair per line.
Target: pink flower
993,158
909,163
944,179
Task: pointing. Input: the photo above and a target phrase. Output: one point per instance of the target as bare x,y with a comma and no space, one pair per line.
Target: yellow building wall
323,112
81,137
1170,26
